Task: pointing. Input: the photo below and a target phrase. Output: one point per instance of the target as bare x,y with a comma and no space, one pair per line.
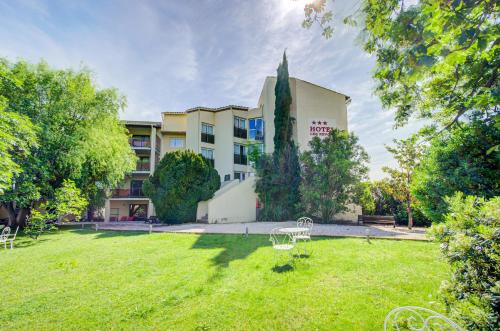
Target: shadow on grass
234,247
101,234
279,269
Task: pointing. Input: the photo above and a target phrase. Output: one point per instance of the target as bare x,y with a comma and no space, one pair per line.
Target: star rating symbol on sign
325,123
314,122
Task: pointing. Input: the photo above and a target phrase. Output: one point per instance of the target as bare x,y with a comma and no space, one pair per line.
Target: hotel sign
321,127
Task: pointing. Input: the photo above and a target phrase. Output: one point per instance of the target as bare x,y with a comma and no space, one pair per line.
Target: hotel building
224,136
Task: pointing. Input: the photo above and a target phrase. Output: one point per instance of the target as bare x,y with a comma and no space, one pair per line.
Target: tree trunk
410,217
17,217
11,210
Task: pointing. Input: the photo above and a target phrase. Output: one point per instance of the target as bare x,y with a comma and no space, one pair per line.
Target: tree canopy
332,171
435,59
180,181
458,160
79,134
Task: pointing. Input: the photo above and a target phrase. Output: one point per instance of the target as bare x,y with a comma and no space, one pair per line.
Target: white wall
235,205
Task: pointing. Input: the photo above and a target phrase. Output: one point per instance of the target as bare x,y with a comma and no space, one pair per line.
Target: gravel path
331,230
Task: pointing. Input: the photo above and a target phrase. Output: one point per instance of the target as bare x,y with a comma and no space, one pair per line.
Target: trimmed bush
180,181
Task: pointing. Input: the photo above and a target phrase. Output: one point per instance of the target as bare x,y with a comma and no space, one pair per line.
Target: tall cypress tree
279,175
282,120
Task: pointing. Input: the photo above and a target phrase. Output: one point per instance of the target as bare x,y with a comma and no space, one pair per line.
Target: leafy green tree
435,59
80,136
332,171
407,153
458,161
278,175
364,198
17,137
470,240
180,181
68,203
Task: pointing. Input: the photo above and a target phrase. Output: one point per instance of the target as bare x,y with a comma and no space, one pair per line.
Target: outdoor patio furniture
307,223
6,236
282,242
376,219
418,318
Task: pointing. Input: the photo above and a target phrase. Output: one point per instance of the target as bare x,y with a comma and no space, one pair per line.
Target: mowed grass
87,280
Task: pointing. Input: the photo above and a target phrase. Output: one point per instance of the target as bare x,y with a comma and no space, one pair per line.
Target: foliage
17,137
180,181
83,139
435,59
458,160
68,202
157,281
36,224
407,153
364,198
278,175
470,241
332,171
278,180
386,204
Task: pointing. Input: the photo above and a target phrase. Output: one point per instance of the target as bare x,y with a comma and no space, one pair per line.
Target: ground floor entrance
129,210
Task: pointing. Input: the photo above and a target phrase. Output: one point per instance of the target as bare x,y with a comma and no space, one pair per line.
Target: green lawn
87,280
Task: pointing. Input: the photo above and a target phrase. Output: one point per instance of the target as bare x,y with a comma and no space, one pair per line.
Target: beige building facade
225,136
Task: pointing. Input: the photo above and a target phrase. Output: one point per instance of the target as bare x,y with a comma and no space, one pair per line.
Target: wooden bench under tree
376,219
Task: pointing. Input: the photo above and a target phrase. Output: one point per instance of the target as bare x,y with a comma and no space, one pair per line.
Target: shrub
180,181
470,242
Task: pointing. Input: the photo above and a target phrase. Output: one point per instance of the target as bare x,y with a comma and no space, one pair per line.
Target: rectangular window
227,178
240,130
256,129
207,133
176,142
239,175
240,154
208,154
136,188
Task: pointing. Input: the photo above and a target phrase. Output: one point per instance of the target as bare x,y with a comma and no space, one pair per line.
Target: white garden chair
6,236
304,222
418,319
281,242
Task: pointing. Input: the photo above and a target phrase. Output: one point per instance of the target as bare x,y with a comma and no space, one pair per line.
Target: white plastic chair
281,242
7,236
305,236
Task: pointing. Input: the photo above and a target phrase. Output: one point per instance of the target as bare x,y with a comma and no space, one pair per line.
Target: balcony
240,159
208,138
142,167
140,143
240,133
127,193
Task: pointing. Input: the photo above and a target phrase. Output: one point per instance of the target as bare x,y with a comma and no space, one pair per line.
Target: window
207,133
176,142
240,154
227,178
136,188
239,122
208,154
239,175
256,129
207,128
239,128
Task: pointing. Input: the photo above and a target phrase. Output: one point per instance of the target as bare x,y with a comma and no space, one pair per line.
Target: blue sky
174,55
